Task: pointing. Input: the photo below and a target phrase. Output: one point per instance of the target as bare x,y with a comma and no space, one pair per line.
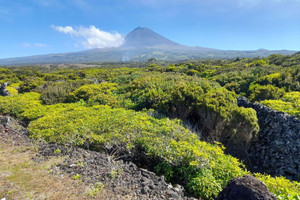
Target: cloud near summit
92,37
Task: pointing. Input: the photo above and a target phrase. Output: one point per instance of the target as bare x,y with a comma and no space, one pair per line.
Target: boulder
245,188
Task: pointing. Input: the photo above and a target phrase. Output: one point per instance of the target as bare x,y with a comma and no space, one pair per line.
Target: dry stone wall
277,148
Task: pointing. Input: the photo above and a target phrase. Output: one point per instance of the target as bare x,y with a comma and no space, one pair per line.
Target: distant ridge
140,45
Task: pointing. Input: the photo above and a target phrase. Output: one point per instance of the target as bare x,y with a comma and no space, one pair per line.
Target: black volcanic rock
3,90
245,188
277,149
145,37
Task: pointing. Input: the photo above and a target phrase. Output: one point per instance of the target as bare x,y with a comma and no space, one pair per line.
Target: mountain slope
140,45
144,37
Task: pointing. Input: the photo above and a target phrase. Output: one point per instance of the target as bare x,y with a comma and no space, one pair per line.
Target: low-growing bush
163,139
38,111
55,94
289,103
29,84
281,187
60,92
104,99
13,91
18,104
209,109
263,92
202,168
86,92
7,75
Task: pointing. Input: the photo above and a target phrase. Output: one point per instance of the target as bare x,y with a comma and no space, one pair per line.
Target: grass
22,178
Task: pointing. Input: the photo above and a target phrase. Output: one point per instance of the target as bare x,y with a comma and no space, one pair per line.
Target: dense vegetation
146,113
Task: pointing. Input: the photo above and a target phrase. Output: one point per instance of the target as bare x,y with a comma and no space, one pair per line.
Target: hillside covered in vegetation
172,118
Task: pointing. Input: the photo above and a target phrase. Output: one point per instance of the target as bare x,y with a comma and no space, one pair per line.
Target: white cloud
26,44
40,45
66,29
92,37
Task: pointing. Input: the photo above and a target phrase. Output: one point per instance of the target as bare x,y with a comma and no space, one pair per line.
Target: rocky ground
30,170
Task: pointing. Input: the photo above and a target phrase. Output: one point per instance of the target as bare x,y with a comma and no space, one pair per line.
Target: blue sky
32,27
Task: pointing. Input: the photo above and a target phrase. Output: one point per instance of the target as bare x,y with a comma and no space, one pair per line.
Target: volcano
145,37
140,45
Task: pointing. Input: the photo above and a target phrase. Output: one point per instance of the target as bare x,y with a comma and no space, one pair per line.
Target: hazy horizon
37,27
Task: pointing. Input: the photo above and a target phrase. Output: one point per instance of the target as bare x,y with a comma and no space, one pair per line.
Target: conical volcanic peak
145,37
140,45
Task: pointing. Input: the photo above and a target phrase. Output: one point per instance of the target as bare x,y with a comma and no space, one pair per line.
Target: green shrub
281,187
162,139
29,84
204,185
16,105
207,73
172,69
55,94
13,91
38,111
86,92
54,77
15,85
273,79
104,99
289,103
7,75
59,92
192,72
263,92
211,109
258,63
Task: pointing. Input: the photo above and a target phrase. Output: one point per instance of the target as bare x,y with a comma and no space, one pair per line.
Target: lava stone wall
277,148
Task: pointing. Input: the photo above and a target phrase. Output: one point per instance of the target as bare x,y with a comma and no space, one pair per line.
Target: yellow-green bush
35,112
16,105
162,139
59,92
30,83
289,103
104,99
281,187
86,92
13,91
202,168
7,75
257,63
210,108
15,85
263,92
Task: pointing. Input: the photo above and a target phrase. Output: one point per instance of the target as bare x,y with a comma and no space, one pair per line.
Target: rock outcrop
13,130
245,188
277,149
121,178
3,90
